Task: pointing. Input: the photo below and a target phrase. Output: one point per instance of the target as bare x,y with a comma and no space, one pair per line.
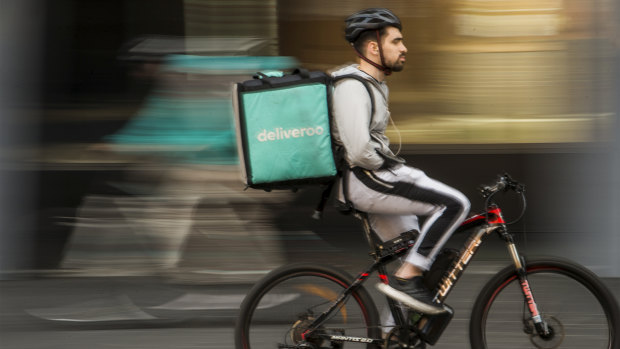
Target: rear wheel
576,306
278,310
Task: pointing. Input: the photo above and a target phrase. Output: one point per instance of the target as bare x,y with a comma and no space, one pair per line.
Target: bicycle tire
579,307
279,301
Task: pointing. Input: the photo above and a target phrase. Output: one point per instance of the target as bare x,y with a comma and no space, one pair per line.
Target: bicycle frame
430,328
483,224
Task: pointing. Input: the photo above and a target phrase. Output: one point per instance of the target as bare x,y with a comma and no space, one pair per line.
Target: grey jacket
364,139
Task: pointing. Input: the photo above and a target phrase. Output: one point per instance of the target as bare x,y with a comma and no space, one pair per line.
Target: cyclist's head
362,26
371,25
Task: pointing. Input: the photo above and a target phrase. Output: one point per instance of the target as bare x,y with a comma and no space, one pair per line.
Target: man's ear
372,47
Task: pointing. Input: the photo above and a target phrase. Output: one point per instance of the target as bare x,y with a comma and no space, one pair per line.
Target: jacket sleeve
351,111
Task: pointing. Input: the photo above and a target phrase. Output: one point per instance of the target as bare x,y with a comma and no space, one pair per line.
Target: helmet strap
386,70
382,67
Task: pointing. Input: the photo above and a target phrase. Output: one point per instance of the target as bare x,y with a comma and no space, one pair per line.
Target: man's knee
465,203
461,205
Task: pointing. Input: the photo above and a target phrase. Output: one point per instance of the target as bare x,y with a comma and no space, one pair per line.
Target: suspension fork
519,262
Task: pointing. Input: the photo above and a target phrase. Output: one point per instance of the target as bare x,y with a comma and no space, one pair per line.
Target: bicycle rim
279,309
580,310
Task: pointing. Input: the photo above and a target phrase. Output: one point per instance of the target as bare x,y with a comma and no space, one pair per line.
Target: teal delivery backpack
283,130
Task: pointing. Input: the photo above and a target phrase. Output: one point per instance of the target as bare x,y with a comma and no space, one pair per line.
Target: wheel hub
551,340
298,329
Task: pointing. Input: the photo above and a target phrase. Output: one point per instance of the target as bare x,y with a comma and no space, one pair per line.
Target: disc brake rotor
299,327
555,337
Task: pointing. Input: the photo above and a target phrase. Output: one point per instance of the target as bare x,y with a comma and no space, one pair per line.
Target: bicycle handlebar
504,183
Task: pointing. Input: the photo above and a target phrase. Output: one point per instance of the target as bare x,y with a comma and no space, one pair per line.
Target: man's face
394,50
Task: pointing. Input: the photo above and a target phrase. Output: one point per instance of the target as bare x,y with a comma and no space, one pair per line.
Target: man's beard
397,66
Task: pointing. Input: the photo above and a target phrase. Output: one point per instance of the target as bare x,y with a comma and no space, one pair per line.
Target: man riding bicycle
377,181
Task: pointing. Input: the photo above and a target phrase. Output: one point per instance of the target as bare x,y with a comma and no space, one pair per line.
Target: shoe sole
410,301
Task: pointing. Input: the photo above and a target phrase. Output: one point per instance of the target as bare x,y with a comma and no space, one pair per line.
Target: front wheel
576,306
278,310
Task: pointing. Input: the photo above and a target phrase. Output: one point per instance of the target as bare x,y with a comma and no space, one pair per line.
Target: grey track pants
404,191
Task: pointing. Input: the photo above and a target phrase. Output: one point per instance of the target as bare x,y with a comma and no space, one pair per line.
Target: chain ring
392,341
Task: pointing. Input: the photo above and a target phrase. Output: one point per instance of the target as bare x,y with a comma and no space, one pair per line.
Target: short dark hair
368,35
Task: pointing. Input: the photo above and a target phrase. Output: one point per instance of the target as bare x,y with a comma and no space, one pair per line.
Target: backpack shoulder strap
343,172
366,84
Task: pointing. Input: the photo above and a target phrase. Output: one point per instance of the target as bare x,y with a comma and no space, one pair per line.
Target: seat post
371,236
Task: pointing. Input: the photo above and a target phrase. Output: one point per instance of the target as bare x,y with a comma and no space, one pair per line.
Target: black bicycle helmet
369,19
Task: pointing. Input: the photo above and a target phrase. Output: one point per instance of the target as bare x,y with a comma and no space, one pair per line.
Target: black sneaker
412,293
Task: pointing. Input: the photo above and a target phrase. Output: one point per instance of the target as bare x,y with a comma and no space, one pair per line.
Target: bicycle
526,304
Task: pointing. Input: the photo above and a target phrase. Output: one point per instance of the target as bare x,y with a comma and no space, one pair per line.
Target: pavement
118,308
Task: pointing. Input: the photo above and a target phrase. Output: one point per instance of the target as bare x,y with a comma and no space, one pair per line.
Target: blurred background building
91,94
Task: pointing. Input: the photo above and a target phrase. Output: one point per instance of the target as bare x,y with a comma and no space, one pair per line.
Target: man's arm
351,111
